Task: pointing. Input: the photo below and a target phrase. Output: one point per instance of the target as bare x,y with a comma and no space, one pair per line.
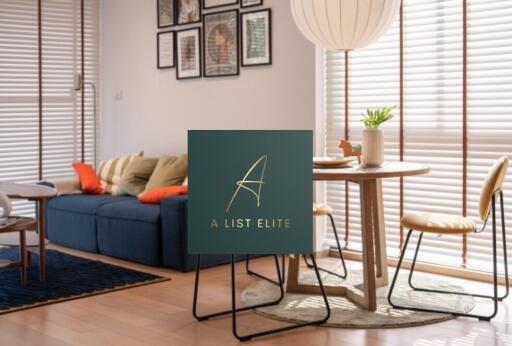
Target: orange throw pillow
89,182
155,196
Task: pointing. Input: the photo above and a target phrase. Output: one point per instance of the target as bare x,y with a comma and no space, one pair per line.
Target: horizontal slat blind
373,81
489,109
19,130
19,115
62,125
433,79
433,115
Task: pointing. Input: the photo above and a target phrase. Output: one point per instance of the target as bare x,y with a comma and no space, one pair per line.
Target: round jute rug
296,308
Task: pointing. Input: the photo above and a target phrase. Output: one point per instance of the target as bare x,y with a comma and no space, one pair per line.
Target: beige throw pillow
136,175
169,171
110,172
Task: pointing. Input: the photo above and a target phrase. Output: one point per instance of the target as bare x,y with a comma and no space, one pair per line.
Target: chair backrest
493,182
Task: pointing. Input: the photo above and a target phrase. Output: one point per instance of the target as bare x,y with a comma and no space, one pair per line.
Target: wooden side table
21,226
375,271
39,194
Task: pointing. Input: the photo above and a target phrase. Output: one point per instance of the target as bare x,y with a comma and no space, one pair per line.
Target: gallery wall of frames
212,38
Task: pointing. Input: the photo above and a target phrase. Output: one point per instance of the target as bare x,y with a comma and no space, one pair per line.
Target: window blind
489,108
432,113
19,89
19,129
373,81
62,117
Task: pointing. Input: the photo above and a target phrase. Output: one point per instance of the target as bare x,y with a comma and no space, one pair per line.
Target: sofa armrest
174,211
64,186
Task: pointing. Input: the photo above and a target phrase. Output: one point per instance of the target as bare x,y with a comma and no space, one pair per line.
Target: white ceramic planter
373,148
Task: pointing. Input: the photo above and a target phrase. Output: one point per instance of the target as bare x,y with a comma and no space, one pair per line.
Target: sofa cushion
131,210
156,196
168,171
84,204
136,175
71,220
89,182
110,172
130,230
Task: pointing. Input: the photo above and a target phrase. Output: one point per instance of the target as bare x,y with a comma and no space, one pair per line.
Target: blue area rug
67,277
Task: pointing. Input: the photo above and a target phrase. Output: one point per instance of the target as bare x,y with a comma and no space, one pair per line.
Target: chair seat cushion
438,223
321,209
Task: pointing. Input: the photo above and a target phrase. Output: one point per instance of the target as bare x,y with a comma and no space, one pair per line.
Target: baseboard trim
429,268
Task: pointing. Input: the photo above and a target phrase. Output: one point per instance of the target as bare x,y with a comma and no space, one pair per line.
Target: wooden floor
160,314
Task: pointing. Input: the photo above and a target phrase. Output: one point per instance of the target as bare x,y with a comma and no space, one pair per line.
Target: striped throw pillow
110,172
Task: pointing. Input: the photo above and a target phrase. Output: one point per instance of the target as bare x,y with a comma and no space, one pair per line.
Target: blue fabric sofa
122,227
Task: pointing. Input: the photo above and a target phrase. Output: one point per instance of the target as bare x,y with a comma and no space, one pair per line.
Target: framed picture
165,49
165,12
220,40
208,4
257,38
251,3
189,11
188,51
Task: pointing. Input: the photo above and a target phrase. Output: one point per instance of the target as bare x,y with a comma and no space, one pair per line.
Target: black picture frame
228,3
259,3
159,25
158,62
199,54
242,40
177,10
236,16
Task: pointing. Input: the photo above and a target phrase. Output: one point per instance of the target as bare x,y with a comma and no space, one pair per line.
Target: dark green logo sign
250,192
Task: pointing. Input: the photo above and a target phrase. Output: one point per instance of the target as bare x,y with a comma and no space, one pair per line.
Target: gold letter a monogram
244,182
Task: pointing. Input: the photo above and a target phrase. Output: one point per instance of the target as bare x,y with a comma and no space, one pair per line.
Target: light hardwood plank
160,314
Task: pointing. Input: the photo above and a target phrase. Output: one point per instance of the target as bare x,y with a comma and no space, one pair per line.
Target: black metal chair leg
345,272
500,298
494,298
226,312
282,329
504,239
422,289
266,278
398,266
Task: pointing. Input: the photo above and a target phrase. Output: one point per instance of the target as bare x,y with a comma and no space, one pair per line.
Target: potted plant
373,140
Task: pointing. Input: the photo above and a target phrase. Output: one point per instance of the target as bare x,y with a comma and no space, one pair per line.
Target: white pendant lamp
344,24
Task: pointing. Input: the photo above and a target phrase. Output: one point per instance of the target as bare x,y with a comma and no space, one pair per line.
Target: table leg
23,257
294,286
367,197
375,273
292,282
381,256
42,240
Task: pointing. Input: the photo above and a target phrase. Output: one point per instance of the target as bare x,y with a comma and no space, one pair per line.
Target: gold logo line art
244,182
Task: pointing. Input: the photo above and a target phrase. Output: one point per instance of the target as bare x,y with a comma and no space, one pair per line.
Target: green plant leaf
374,118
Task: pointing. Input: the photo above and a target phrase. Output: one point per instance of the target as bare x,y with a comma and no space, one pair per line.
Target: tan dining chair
445,224
319,210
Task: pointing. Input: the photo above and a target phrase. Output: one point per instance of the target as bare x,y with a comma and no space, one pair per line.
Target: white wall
156,110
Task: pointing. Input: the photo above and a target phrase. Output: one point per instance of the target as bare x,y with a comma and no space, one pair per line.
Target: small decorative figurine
349,150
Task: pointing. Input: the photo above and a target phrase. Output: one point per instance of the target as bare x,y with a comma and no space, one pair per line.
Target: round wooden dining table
375,271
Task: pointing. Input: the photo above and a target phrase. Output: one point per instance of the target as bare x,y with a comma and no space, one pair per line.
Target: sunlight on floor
476,336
